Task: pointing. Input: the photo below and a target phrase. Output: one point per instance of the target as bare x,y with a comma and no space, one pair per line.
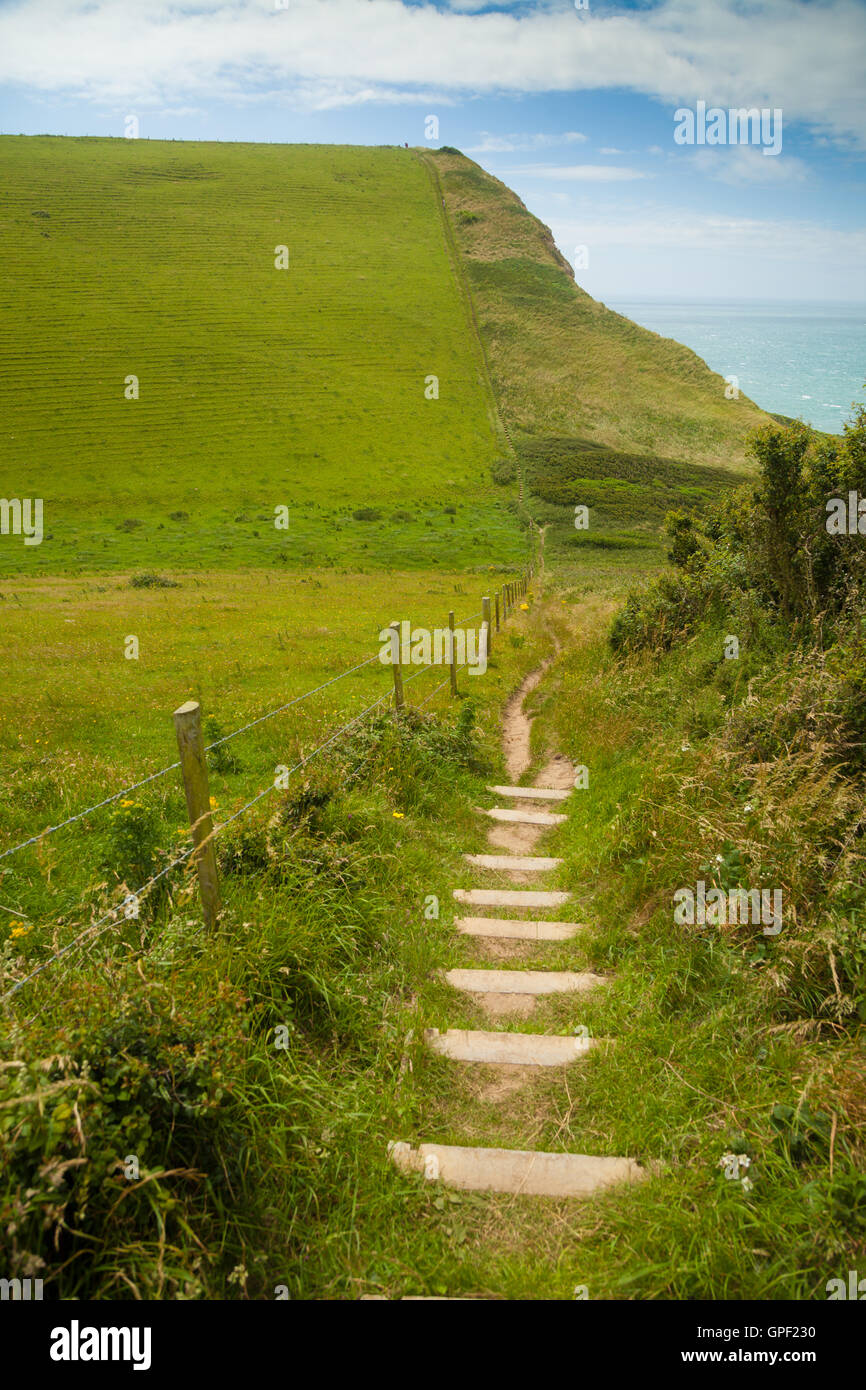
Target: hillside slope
562,364
258,387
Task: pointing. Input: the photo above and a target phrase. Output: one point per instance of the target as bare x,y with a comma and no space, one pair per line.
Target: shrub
133,849
148,580
137,1080
503,471
220,759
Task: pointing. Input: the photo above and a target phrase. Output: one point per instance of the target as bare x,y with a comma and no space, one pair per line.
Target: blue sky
574,109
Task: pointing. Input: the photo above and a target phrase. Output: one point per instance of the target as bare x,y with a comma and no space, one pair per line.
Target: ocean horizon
806,359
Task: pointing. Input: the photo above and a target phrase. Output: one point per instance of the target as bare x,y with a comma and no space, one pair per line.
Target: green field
80,720
258,387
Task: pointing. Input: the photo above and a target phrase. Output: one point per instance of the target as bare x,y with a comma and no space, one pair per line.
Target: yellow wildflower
398,815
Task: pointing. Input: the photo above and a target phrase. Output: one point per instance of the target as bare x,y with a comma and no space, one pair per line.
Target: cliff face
563,364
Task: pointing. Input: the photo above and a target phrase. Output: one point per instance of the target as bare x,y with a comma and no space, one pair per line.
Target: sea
806,360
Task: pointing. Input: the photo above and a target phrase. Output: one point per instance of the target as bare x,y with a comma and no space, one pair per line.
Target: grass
256,1075
627,495
82,720
259,388
563,364
283,1181
250,1148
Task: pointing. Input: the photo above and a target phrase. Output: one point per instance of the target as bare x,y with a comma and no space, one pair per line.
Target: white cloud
671,229
805,56
608,149
510,144
744,164
577,173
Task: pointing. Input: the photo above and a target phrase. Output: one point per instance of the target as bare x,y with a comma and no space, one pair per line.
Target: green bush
121,1143
503,471
768,539
148,580
220,759
134,839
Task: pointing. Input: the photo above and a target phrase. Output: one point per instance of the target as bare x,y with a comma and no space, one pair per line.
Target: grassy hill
258,387
574,379
308,387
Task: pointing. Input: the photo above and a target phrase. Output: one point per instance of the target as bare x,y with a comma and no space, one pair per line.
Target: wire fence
88,936
172,767
217,743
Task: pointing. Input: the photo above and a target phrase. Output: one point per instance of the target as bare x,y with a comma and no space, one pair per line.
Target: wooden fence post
453,655
497,610
193,764
485,619
397,667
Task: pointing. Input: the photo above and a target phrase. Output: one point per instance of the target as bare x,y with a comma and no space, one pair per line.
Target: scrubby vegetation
182,1110
765,609
185,1115
724,732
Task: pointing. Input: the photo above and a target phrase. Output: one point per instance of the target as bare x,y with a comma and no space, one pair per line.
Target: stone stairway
514,991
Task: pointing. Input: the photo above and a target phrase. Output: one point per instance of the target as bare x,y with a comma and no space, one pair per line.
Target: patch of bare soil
505,1005
516,726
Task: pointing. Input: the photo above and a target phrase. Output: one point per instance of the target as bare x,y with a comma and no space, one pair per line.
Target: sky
583,111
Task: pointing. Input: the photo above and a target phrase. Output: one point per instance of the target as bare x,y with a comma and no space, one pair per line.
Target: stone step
524,981
523,817
533,793
520,1171
518,863
505,927
508,1049
510,897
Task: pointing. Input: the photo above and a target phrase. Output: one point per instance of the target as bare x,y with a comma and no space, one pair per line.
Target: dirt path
497,1101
